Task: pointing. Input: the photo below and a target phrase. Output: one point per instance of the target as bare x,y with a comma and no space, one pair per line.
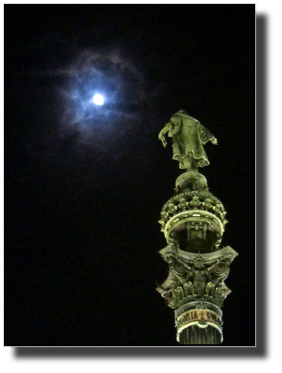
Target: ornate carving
210,287
187,201
196,276
200,314
194,221
199,283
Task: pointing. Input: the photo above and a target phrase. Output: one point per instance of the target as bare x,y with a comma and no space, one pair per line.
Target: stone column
193,223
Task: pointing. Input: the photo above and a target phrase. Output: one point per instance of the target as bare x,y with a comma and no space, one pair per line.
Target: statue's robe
188,136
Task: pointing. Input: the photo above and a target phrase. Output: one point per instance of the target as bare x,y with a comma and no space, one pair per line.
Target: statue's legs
190,164
176,152
186,161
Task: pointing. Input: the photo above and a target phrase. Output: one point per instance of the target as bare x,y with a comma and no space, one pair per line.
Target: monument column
193,223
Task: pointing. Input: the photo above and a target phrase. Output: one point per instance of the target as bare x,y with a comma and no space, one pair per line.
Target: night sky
84,185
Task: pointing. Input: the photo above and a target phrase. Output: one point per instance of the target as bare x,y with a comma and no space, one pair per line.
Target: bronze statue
188,136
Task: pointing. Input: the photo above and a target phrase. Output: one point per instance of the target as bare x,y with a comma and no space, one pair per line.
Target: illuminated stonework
193,223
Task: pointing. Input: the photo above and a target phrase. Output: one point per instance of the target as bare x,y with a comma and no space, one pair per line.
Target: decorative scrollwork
220,268
179,268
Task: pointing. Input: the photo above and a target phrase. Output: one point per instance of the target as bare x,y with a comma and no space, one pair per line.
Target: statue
188,136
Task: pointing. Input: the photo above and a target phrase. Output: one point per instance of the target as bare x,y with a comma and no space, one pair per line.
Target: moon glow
98,99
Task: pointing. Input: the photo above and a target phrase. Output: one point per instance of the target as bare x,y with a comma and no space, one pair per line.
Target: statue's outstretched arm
206,135
162,134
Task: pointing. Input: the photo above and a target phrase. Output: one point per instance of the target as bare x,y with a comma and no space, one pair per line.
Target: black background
81,214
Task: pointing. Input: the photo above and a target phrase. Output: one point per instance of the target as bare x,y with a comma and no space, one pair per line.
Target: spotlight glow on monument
98,99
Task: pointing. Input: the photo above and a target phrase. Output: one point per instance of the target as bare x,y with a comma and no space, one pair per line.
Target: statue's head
181,112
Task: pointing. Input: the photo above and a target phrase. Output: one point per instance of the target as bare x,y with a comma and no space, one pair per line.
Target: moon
98,99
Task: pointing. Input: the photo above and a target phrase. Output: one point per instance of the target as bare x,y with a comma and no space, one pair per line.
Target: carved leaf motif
200,283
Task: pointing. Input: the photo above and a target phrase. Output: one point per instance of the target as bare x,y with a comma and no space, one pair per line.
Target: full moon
98,99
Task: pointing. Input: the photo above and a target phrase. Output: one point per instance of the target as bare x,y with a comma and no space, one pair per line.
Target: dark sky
84,186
